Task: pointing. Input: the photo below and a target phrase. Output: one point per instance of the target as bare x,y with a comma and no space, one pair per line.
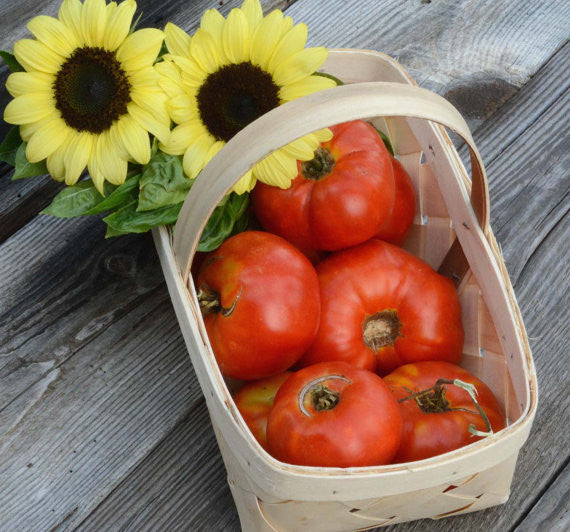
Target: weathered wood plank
182,484
93,419
551,511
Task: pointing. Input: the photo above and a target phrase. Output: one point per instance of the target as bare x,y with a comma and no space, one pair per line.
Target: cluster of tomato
353,354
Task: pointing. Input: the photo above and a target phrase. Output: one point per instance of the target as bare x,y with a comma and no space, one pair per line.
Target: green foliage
128,220
76,200
163,183
10,146
231,216
330,76
11,61
24,168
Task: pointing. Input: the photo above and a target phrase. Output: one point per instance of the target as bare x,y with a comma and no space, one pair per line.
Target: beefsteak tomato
340,198
396,228
334,415
259,297
381,307
255,399
436,416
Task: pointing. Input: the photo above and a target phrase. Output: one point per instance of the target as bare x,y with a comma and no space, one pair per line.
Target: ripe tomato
381,307
340,198
259,296
438,421
255,399
334,415
396,228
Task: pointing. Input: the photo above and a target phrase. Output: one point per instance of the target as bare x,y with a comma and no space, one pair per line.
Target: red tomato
334,415
396,228
259,296
381,307
340,198
438,421
255,399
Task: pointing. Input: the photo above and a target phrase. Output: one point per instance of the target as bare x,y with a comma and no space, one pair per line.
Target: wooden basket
452,233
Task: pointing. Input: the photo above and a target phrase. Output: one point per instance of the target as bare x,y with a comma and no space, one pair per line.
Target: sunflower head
89,96
230,72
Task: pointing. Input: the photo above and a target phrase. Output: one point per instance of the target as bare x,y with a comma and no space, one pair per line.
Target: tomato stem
210,302
320,396
381,329
432,400
319,166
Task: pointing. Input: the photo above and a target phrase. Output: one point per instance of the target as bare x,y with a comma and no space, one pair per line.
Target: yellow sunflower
89,95
228,74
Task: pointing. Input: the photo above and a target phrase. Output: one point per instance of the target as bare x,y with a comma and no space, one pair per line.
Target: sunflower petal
286,26
299,65
195,155
302,149
214,149
76,156
245,183
183,108
29,108
93,21
206,52
140,49
46,140
20,83
236,37
34,55
135,139
305,86
253,13
118,24
168,69
146,78
149,122
182,136
265,38
109,160
152,101
94,169
54,162
213,22
323,135
277,169
177,40
54,34
291,43
70,15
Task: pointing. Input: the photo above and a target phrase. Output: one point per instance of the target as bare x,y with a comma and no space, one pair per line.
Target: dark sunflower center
91,90
234,96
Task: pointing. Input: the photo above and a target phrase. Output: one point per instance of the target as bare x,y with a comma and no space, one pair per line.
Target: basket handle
299,117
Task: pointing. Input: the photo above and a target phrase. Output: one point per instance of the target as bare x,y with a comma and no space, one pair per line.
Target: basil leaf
119,196
114,232
386,140
162,183
229,217
128,220
75,200
11,61
24,168
330,76
10,146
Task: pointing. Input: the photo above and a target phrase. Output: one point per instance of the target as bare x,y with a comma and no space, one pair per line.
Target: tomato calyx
210,302
319,166
381,329
432,401
318,396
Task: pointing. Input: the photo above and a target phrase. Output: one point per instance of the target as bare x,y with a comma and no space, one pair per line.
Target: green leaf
114,232
386,140
11,61
75,200
229,217
330,76
10,146
117,196
163,183
24,168
128,220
